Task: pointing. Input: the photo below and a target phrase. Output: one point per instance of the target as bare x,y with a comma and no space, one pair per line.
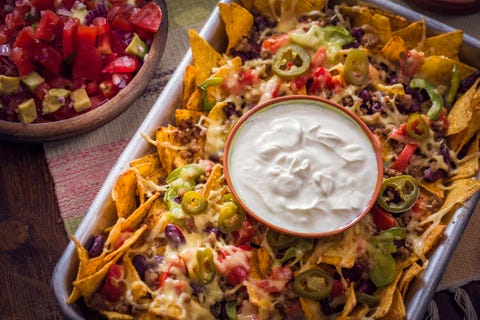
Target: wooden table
32,238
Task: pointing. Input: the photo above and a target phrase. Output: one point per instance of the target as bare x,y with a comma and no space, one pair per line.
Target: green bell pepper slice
435,96
454,84
207,104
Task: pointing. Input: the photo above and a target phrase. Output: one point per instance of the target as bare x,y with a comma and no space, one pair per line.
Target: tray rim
163,107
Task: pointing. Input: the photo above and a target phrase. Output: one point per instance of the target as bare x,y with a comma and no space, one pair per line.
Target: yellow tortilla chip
215,181
382,25
433,238
124,193
189,83
351,302
445,44
394,49
186,115
113,315
435,188
396,22
386,296
238,22
397,309
146,164
205,57
469,165
311,309
438,70
413,34
139,214
408,275
460,116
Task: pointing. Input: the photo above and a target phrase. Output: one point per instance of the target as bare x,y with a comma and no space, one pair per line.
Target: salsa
59,59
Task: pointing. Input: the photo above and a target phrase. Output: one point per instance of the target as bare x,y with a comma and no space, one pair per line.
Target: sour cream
303,166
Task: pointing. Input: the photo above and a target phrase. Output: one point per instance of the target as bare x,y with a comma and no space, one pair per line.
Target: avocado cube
27,111
137,47
80,99
9,84
54,100
32,81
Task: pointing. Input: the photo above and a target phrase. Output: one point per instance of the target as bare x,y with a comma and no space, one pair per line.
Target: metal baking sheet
101,212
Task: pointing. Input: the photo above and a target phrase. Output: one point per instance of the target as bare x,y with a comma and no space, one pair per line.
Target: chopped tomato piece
404,157
23,61
47,25
237,275
42,4
50,58
87,63
69,36
86,35
68,4
122,64
26,39
102,25
112,288
319,58
245,233
275,43
383,220
149,17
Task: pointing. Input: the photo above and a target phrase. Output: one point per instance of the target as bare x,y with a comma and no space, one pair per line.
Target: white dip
302,167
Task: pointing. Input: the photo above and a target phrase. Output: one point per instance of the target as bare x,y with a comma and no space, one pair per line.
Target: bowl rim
95,118
320,102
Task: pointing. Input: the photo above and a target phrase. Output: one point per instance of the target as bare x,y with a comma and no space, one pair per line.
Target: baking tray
101,214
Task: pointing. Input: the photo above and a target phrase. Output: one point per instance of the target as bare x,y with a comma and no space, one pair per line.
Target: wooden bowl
50,131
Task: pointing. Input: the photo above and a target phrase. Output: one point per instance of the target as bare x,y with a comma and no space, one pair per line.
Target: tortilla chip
205,57
167,147
382,25
215,181
217,113
139,214
238,22
360,15
189,83
458,193
386,297
311,309
186,115
435,188
394,49
438,70
408,275
433,238
396,22
460,116
469,165
445,44
351,302
412,35
146,164
397,309
124,193
113,315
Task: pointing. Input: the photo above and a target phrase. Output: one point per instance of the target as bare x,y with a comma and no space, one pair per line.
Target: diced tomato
404,157
112,288
102,25
149,17
103,45
319,58
42,4
49,57
119,17
277,280
322,79
26,40
91,87
245,233
298,83
16,18
383,220
68,4
124,235
419,208
122,64
86,35
23,61
399,133
249,77
41,90
237,275
69,36
47,25
411,63
275,43
87,63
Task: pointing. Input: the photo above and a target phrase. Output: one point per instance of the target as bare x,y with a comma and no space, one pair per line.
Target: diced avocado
80,13
9,84
27,112
137,47
32,81
54,100
80,99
